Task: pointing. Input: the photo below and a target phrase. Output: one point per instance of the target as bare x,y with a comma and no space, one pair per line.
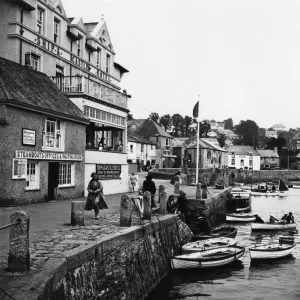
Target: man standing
149,186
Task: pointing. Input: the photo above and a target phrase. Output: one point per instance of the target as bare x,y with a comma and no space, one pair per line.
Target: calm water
279,279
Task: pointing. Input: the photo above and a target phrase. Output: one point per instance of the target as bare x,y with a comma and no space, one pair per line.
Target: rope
7,294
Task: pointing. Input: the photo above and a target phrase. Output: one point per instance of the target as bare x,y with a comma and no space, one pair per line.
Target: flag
196,110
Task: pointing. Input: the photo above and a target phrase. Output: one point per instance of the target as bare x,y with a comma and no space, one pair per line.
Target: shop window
40,20
33,176
66,174
52,134
56,37
19,169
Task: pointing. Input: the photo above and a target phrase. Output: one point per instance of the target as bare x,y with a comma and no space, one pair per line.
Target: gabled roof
23,87
150,128
241,150
268,153
136,138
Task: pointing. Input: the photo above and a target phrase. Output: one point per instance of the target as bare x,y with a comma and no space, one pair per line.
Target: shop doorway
53,181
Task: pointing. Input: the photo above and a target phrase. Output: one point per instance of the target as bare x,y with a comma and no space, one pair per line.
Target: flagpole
197,159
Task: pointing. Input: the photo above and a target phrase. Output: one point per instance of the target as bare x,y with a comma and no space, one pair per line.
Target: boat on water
208,244
240,217
240,195
283,248
208,258
266,194
224,231
282,188
272,226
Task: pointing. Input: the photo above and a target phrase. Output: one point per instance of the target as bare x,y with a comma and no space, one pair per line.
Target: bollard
147,206
162,200
77,213
125,211
204,192
198,191
19,257
176,187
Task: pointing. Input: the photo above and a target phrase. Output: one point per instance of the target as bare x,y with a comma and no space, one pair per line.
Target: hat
149,177
94,173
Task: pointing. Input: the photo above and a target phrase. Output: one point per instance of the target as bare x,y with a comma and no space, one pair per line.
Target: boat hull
264,194
269,251
240,217
268,226
186,262
228,232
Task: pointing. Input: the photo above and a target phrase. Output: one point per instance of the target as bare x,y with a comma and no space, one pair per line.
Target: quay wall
127,265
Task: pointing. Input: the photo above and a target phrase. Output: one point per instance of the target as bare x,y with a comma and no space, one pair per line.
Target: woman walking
95,199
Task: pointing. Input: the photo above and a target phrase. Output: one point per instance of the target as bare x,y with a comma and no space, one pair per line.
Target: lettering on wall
20,154
108,171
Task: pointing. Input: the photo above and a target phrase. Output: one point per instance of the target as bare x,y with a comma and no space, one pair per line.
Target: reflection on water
276,279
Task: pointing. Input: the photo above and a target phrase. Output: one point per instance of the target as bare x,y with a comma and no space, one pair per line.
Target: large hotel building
79,59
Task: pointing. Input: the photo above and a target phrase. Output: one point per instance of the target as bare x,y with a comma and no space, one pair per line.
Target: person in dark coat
149,186
290,218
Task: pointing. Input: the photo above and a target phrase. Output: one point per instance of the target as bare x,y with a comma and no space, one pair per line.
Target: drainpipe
21,33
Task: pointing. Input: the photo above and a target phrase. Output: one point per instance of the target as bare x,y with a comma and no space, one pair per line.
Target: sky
241,56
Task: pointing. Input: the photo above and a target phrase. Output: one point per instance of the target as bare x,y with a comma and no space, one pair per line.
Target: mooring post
162,200
198,191
204,192
125,211
77,213
19,257
147,206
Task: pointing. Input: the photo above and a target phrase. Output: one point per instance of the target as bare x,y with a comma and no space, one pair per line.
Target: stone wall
126,265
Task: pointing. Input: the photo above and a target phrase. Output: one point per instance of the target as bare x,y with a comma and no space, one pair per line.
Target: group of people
286,219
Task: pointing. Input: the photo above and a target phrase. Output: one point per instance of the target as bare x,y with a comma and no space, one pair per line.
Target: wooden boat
208,244
240,195
239,217
266,194
224,231
296,186
242,209
272,251
272,226
208,258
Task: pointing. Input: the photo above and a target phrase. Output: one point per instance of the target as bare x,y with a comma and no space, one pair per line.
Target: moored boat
240,195
240,217
266,194
272,251
224,231
272,226
208,244
208,258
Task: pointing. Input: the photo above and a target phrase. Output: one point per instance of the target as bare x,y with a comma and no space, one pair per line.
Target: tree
204,128
228,124
154,117
186,126
177,121
248,131
165,122
279,143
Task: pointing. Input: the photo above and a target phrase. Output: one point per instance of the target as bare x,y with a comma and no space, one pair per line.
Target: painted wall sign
48,45
109,171
47,155
28,137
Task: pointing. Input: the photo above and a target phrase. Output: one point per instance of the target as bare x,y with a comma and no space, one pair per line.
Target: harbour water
277,279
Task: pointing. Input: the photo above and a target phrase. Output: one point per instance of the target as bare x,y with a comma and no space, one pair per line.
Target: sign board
108,171
28,137
21,154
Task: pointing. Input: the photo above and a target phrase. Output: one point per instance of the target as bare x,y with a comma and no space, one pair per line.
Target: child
133,181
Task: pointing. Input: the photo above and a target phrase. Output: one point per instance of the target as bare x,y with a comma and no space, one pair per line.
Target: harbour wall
127,265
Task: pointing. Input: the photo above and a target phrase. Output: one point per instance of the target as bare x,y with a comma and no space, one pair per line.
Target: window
79,45
32,61
151,147
56,31
98,62
233,161
66,174
33,176
250,162
52,134
242,162
131,148
108,64
40,20
167,142
19,168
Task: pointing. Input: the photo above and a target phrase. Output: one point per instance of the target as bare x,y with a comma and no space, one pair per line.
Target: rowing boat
272,226
208,258
272,251
223,231
240,217
266,194
208,244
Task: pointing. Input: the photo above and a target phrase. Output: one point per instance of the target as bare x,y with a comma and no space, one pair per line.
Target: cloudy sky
241,56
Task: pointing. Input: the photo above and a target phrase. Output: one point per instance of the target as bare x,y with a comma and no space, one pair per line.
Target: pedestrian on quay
149,186
133,181
95,199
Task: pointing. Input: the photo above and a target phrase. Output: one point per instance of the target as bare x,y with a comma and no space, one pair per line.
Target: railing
81,84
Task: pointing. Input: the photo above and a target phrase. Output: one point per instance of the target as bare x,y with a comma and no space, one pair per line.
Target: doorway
53,181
